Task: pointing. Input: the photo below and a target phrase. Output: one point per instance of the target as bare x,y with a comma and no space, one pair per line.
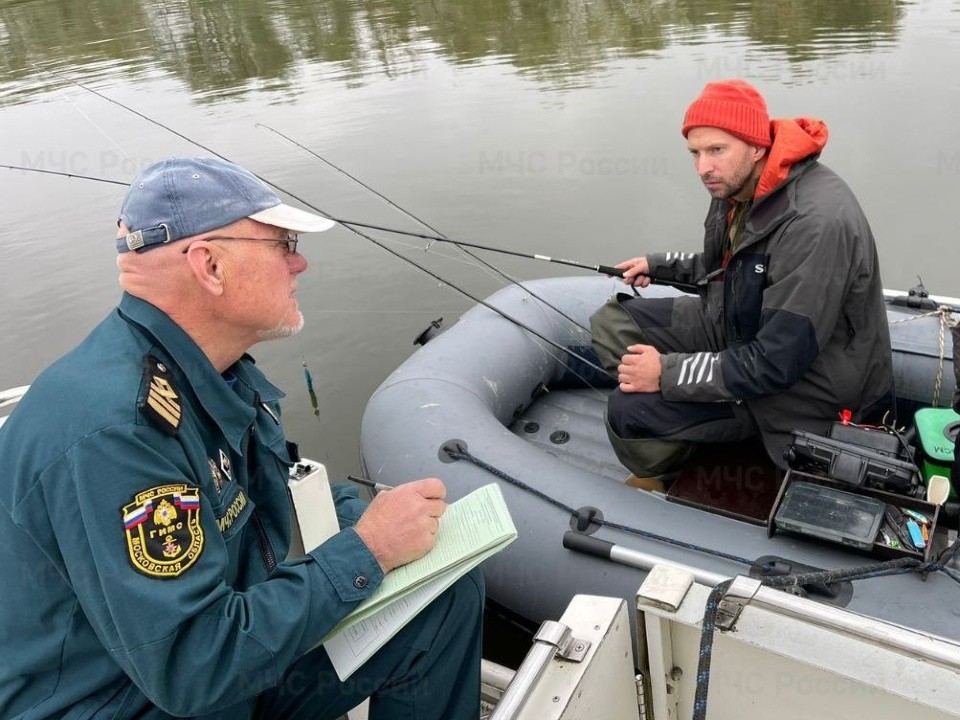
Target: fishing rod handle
587,544
609,270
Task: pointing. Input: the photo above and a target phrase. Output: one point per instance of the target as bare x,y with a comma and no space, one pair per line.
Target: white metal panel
603,684
775,665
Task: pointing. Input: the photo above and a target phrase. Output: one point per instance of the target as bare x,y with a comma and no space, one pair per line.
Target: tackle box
834,511
857,464
936,435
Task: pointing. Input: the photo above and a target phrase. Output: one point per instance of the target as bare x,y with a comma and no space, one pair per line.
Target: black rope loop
458,452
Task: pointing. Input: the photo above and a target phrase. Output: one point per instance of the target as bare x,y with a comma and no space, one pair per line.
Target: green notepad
471,530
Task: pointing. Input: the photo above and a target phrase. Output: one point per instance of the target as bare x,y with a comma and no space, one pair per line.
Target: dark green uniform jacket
144,524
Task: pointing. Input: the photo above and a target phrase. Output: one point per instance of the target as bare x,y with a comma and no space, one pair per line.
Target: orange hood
793,140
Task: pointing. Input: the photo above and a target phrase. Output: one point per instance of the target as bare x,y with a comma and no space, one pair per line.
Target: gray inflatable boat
530,413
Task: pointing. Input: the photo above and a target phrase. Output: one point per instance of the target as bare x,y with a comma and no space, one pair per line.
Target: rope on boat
708,628
707,631
944,314
457,451
897,566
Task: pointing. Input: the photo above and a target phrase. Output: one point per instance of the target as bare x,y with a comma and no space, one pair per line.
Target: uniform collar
232,409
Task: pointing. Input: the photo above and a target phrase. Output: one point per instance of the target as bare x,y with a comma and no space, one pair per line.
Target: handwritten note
471,530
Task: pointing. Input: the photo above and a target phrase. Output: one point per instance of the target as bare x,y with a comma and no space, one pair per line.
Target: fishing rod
307,374
64,174
479,301
602,269
357,180
437,234
376,242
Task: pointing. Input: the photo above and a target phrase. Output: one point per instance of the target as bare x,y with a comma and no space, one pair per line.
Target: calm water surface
546,126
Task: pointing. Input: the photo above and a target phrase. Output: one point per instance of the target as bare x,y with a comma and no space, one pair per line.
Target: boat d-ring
586,520
449,447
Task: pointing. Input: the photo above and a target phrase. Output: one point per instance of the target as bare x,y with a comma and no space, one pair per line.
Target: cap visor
290,218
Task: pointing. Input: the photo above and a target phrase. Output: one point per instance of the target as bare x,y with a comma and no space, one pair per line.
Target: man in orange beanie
790,326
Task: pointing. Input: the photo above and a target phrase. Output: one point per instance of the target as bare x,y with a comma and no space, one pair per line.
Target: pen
375,486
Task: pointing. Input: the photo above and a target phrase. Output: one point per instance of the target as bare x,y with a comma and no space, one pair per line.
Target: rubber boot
654,458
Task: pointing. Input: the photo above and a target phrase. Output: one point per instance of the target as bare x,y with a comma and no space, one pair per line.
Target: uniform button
360,582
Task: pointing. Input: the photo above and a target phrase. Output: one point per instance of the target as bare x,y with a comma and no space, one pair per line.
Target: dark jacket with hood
800,300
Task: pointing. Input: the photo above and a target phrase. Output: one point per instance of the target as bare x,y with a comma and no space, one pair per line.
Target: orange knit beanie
734,106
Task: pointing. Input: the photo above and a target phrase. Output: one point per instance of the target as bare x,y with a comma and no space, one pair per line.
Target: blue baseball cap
182,197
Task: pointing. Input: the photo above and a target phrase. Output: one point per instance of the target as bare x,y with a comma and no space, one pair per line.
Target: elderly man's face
725,163
260,279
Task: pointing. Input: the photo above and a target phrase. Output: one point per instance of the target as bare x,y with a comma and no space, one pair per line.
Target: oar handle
587,544
634,558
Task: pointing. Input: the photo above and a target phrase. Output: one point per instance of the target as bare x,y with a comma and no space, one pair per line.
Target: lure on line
313,393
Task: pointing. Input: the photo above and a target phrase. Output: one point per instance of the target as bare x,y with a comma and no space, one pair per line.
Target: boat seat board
733,479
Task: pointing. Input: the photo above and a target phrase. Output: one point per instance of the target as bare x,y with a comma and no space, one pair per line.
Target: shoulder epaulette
161,401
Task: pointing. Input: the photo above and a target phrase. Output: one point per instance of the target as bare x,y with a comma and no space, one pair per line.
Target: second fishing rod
436,236
602,269
599,268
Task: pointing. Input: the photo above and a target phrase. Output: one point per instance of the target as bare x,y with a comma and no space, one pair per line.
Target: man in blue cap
144,517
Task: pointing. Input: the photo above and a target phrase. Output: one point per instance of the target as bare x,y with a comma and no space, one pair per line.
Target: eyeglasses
289,243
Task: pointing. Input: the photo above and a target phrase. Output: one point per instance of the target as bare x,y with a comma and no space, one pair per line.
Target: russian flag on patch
187,502
135,517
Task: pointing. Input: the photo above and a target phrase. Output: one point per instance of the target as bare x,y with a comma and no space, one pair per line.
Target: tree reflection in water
220,48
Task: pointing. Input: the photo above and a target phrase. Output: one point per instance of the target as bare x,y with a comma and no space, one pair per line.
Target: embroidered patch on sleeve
162,525
162,401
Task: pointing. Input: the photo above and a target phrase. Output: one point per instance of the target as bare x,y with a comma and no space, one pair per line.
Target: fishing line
314,207
558,358
357,180
452,257
98,128
437,235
